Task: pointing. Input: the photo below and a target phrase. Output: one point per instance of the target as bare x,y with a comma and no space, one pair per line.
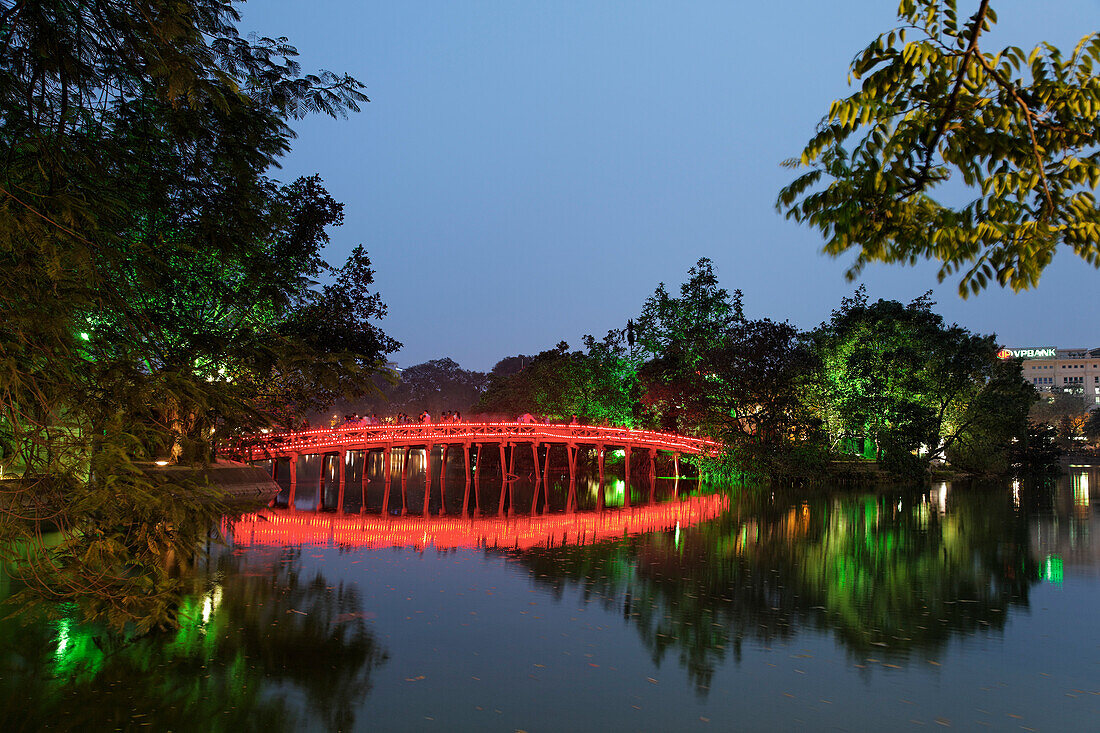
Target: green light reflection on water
1052,570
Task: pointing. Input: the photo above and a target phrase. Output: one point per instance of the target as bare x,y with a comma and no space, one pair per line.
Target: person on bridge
574,421
425,417
526,418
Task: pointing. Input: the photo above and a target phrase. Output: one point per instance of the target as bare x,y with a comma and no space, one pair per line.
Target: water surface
960,606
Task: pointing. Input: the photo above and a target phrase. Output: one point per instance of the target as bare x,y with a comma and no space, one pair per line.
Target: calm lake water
960,606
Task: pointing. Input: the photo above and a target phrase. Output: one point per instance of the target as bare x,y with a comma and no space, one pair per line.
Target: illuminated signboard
1026,353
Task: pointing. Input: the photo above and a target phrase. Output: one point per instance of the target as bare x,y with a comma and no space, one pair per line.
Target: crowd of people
425,418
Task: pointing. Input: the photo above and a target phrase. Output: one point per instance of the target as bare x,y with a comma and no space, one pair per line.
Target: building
1060,370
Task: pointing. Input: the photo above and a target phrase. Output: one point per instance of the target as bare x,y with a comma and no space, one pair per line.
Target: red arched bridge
472,439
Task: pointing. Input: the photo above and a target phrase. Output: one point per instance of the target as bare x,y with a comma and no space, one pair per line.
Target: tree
610,386
1065,412
1018,131
897,377
509,365
1092,427
437,385
597,385
985,431
155,280
675,333
336,345
749,395
688,325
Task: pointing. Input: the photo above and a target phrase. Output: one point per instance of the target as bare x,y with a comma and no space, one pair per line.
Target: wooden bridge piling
386,481
652,473
546,479
538,479
405,480
503,479
293,479
571,501
512,479
466,448
443,479
599,490
477,482
626,475
343,478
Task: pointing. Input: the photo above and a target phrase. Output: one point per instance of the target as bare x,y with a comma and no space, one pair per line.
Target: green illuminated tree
899,378
1015,132
155,280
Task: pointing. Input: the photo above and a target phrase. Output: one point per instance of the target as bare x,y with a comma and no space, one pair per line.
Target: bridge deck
365,437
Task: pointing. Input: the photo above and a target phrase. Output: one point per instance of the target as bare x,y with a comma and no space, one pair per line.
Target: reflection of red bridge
281,527
468,437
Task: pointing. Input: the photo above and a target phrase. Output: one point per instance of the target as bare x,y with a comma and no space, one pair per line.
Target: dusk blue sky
528,172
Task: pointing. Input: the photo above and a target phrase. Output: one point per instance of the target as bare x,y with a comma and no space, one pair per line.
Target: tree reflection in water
263,648
891,575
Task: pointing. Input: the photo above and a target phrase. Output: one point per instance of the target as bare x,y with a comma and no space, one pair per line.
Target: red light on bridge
364,437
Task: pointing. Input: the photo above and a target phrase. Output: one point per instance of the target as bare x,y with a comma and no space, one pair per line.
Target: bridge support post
652,474
427,475
404,480
443,480
626,490
512,479
385,483
503,479
538,479
321,483
571,500
626,475
293,480
477,482
343,479
546,480
676,465
466,494
599,491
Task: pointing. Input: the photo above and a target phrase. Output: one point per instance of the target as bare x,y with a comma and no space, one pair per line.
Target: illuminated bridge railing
396,442
270,445
279,528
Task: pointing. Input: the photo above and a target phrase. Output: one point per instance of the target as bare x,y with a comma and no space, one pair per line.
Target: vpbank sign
1026,353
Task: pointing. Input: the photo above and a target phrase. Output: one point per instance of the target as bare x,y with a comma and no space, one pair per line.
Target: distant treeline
878,380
